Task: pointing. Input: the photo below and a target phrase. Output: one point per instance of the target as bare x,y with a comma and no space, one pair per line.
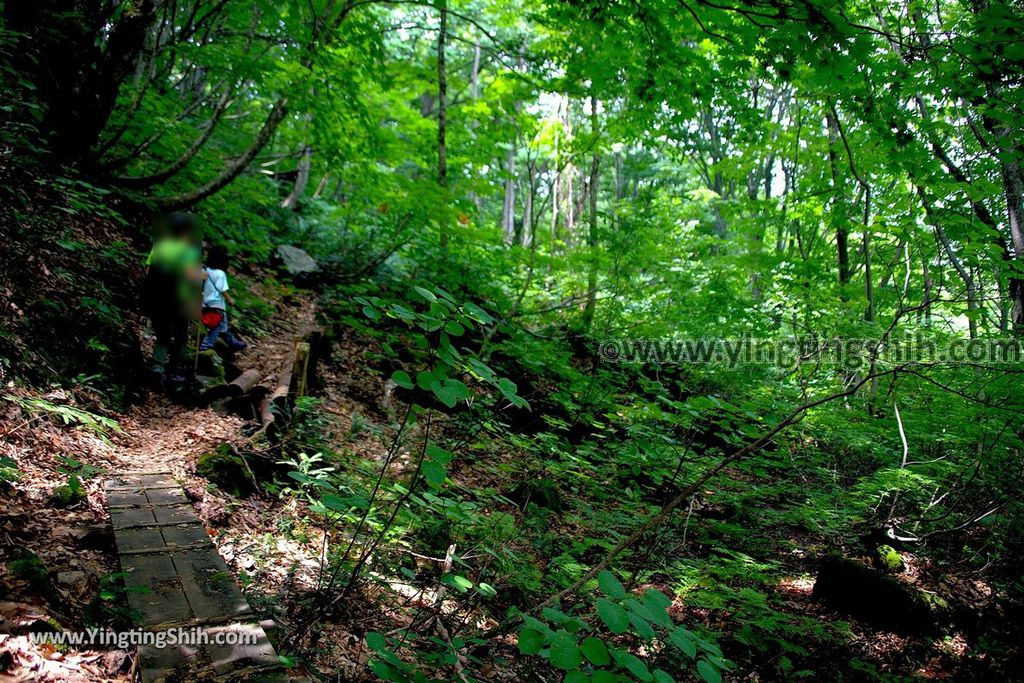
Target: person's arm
224,291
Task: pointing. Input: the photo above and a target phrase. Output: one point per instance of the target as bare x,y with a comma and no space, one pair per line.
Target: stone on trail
296,261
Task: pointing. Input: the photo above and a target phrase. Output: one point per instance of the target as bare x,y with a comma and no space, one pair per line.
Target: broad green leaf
709,672
595,651
530,641
633,664
376,641
426,294
681,638
402,379
434,473
614,616
564,653
610,585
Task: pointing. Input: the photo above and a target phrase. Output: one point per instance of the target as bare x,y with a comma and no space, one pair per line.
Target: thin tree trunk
588,311
442,124
474,75
528,222
838,200
958,265
508,228
301,179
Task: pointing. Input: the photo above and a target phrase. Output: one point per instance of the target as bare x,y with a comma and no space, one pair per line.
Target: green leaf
402,379
530,641
434,472
633,664
595,651
426,294
477,313
709,672
610,585
641,626
576,677
439,454
336,503
564,653
680,637
444,394
376,642
662,676
613,616
459,583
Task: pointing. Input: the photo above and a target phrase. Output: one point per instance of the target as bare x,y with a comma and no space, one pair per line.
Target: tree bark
508,228
442,124
839,216
301,179
588,310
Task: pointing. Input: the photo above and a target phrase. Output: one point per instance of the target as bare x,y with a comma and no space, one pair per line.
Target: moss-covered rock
889,560
211,366
226,468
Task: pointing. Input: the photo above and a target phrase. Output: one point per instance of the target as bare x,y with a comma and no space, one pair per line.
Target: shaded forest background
507,198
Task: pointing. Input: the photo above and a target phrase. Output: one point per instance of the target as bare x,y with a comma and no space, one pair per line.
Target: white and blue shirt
213,289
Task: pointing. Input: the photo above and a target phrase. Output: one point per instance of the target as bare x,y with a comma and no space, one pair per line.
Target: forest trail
162,436
163,546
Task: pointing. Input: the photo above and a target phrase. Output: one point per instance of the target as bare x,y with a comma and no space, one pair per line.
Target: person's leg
233,341
179,349
211,337
163,331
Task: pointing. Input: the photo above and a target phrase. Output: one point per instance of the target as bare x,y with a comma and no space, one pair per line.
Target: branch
234,169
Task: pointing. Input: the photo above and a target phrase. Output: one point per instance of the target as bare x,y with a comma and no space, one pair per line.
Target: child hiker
215,302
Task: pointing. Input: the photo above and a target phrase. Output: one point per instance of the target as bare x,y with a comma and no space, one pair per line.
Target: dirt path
159,435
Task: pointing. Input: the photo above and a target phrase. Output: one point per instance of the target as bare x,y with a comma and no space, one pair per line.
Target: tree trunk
474,74
301,179
588,311
839,215
442,124
529,197
508,227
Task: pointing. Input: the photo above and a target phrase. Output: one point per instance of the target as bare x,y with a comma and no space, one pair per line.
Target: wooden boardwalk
176,582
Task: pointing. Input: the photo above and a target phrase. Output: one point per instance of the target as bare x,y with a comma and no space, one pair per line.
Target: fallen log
238,387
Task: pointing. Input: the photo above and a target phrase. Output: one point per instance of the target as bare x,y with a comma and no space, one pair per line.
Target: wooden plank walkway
176,581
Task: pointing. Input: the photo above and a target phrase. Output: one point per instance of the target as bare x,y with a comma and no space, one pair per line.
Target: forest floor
60,564
63,556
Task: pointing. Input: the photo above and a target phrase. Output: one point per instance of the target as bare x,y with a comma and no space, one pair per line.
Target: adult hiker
171,293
